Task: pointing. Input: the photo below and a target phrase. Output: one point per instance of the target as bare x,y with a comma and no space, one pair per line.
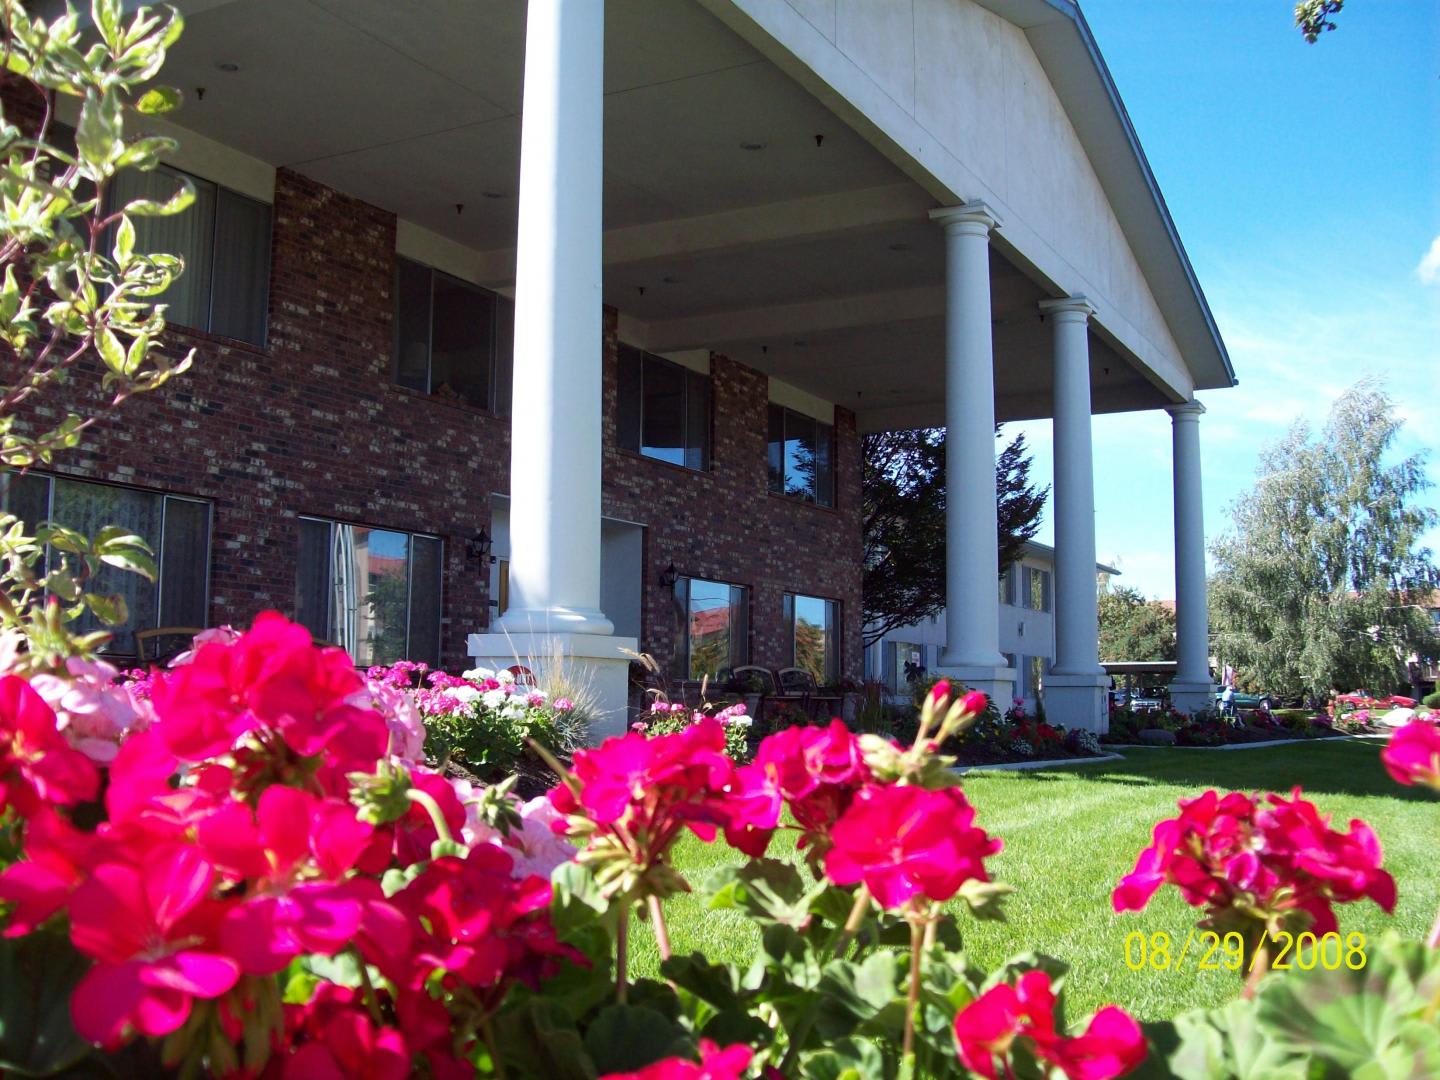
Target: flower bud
939,695
380,797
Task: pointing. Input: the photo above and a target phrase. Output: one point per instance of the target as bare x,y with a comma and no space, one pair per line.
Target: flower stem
372,1001
1259,965
487,1031
622,935
437,816
852,924
912,1002
662,933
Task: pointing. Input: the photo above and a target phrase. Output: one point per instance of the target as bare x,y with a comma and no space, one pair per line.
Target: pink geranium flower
151,927
37,765
1255,860
989,1026
1413,755
904,842
92,709
714,1064
333,1037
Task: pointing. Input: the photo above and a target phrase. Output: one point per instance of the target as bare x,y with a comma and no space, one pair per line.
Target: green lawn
1070,834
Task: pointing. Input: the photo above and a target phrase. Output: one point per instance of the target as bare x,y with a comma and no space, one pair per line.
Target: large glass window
1037,593
814,635
452,339
224,238
176,528
373,592
801,456
663,410
712,622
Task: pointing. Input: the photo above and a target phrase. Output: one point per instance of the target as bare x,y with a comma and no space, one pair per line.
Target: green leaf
38,973
576,899
539,1038
158,100
847,1059
105,14
110,610
124,242
111,351
852,994
181,200
626,1038
769,891
97,135
717,985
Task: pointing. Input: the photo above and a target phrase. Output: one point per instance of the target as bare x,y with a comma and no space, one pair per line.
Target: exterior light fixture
478,548
668,577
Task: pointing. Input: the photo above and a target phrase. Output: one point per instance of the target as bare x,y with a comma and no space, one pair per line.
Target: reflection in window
452,339
712,627
663,409
373,592
801,456
176,529
1038,593
814,634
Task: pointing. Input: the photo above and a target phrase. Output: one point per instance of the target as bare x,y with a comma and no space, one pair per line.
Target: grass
1070,834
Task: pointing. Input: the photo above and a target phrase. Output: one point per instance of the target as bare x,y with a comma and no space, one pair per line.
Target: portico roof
750,206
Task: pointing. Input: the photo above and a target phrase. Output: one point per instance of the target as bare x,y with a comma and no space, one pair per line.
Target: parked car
1244,700
1148,699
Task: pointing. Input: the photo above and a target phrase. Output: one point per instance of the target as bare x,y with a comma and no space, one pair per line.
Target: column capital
1187,410
1068,307
975,217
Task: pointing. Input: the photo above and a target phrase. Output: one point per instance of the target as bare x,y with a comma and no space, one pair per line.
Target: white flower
478,674
505,678
493,699
463,694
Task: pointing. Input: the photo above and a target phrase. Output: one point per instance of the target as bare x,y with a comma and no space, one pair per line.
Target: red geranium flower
38,766
152,929
1234,856
1413,755
985,1029
714,1064
907,841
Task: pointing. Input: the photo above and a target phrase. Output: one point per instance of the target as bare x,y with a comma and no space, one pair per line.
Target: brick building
412,328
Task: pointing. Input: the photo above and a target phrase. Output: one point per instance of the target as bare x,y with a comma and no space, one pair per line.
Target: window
1037,589
373,592
904,664
814,636
1036,675
802,456
1007,584
224,238
712,627
663,409
176,528
453,339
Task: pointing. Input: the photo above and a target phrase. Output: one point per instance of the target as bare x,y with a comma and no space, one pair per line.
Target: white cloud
1429,269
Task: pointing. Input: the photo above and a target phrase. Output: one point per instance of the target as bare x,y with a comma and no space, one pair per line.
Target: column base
556,620
590,660
1078,700
1191,696
997,681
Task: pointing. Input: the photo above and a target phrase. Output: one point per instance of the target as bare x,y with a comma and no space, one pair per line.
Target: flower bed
1212,729
239,867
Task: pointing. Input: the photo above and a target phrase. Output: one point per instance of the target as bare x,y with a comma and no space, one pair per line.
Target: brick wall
313,424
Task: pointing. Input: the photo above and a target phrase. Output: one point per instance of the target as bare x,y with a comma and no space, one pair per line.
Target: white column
1075,688
1191,688
972,571
555,441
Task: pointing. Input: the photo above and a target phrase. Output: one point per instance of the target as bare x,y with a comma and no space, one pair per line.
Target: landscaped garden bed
1172,728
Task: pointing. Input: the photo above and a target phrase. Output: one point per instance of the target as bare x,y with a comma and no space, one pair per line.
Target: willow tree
1320,579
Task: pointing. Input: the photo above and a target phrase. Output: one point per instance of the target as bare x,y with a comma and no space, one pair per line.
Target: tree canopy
1313,17
904,502
1318,582
1134,628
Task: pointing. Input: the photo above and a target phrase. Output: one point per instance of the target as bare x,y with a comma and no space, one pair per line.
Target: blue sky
1305,183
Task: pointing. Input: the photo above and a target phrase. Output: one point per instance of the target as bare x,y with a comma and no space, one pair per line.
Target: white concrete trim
1052,763
1242,746
694,359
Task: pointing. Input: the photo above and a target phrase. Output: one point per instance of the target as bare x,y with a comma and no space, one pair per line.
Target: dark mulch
535,777
983,754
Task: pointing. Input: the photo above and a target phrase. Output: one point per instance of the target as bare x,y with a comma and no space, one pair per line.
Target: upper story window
1037,589
453,339
814,626
713,627
224,238
802,456
176,528
1007,584
663,409
373,592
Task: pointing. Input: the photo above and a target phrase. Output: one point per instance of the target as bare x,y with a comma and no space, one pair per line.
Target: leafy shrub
1432,701
1080,741
671,718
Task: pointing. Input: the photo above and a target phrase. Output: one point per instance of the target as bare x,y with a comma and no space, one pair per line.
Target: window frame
221,190
494,405
1046,589
823,430
684,656
332,523
833,672
159,548
645,358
